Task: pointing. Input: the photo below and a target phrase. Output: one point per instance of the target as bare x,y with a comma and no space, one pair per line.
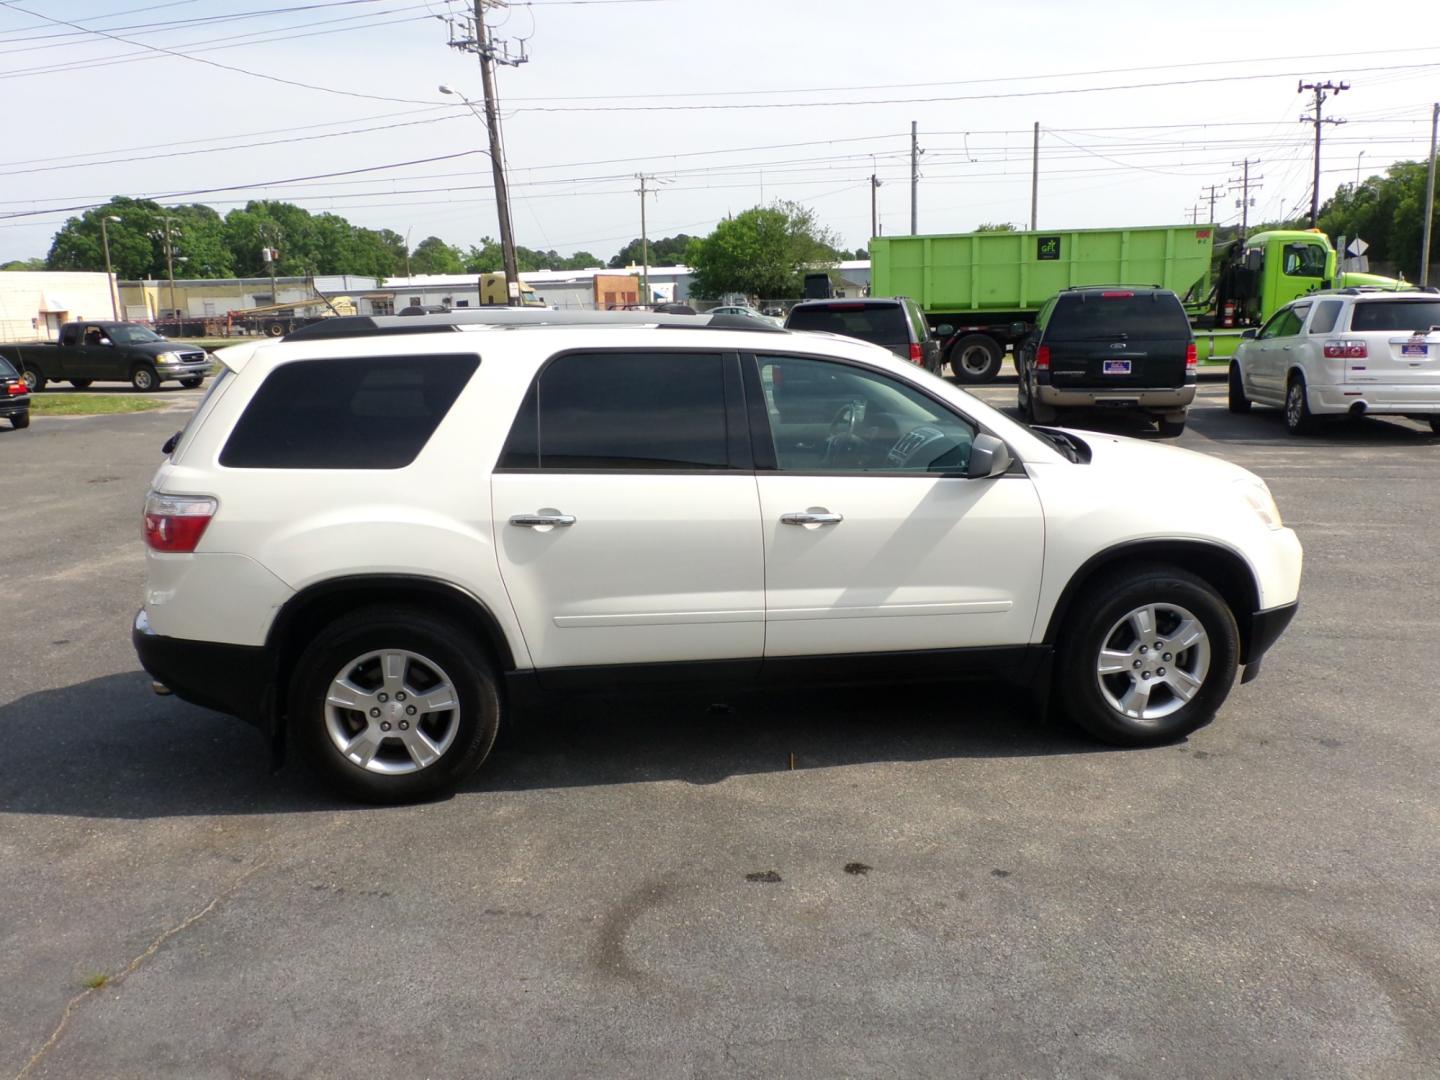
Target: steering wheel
843,446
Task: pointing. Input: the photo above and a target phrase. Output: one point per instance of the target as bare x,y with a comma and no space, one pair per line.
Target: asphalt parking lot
943,885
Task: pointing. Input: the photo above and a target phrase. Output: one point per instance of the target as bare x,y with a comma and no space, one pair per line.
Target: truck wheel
143,378
1238,402
976,358
274,329
81,384
34,378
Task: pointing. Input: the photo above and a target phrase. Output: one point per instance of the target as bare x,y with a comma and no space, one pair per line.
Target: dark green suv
896,322
1127,347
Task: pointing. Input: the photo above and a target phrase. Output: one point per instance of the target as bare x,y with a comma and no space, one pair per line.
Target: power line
180,24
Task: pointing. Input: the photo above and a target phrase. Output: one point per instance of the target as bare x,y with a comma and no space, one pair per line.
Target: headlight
1257,494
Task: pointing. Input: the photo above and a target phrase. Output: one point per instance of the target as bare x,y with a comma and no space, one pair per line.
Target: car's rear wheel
34,378
81,384
1238,402
1298,418
392,705
976,358
1171,429
1150,656
143,377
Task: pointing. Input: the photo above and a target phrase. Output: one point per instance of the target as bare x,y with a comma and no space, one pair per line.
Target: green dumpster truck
981,291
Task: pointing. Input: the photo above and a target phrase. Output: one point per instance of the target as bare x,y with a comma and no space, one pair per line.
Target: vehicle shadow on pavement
108,748
1262,426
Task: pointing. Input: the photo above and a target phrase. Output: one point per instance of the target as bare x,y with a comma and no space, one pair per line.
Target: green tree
433,256
763,251
996,226
861,253
269,224
581,260
134,250
1386,211
667,251
23,264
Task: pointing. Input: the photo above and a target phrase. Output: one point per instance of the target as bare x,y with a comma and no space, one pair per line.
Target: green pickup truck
90,352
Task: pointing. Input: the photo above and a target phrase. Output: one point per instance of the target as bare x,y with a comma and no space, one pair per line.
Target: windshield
1415,316
879,324
133,335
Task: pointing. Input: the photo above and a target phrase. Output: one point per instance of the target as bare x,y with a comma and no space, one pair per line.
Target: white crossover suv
1347,352
377,535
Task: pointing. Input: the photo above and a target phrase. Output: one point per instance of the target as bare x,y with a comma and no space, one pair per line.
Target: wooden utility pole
1247,184
1321,96
1429,199
478,41
1213,189
914,178
1035,178
874,205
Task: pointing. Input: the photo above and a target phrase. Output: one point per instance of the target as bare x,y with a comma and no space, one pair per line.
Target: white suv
1345,352
377,535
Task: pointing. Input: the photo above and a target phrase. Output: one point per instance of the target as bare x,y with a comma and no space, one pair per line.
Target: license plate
1115,367
1415,348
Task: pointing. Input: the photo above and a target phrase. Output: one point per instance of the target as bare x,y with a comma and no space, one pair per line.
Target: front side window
1304,260
831,417
1285,323
609,412
350,413
134,335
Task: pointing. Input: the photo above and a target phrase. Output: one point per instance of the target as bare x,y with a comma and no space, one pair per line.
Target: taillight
1042,358
17,389
1116,295
1346,349
915,356
1192,357
175,523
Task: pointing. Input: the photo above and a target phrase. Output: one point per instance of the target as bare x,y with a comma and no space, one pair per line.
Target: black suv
895,322
1109,346
14,396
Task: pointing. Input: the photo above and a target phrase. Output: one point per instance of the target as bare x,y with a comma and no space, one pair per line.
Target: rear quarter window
1412,316
1145,315
879,324
351,413
6,371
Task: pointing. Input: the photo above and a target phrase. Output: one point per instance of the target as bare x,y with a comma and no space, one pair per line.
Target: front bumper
167,370
1264,630
233,679
1166,399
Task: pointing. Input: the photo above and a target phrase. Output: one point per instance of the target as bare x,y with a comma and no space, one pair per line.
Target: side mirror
107,341
944,330
988,457
1254,260
1019,329
1250,334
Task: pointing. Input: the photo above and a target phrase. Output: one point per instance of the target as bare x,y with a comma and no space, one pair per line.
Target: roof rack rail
346,326
1361,290
1112,285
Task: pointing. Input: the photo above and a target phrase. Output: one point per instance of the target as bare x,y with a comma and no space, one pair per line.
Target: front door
875,541
626,515
1274,348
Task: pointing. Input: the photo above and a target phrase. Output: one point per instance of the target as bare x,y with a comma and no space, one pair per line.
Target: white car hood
1140,457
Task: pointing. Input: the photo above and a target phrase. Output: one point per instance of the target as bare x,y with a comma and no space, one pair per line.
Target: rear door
626,516
1402,342
1118,339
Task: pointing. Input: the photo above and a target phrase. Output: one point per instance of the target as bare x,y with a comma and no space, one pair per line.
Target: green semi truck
981,291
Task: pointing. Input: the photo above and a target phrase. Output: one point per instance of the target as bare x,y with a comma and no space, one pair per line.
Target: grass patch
95,982
91,404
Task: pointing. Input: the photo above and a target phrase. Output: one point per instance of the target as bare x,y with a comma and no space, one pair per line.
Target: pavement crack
135,964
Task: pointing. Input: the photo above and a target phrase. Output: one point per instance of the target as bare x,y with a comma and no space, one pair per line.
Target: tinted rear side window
879,324
1147,315
353,413
1326,312
1414,316
6,369
621,411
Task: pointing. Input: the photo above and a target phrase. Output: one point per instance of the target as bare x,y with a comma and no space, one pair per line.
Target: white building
34,304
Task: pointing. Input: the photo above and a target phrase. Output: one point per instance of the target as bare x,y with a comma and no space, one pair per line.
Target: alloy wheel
1153,661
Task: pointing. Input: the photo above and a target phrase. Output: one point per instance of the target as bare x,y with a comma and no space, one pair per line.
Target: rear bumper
14,408
1160,399
233,679
1423,398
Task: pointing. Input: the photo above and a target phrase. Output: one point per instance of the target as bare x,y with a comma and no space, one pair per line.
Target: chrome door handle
534,521
812,517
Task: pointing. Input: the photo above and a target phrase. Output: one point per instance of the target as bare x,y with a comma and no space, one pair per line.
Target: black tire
20,420
274,329
1298,418
976,358
193,382
1041,413
1024,401
81,384
34,378
143,378
435,645
1171,429
1238,402
1098,620
1435,424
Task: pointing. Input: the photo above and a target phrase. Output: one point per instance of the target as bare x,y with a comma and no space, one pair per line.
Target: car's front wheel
1150,656
1237,401
393,705
143,378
